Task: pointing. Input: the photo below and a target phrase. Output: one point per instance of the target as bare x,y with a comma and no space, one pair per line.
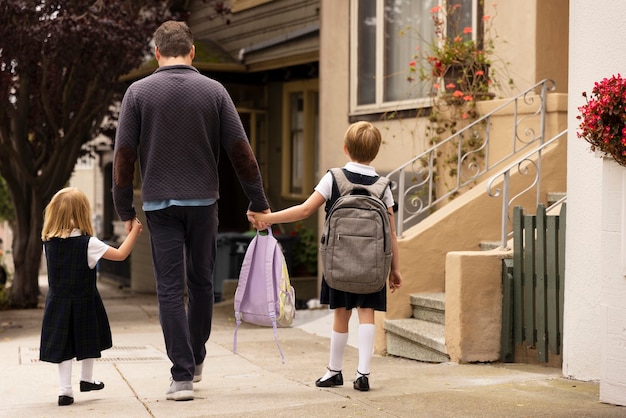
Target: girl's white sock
86,371
338,341
65,378
366,348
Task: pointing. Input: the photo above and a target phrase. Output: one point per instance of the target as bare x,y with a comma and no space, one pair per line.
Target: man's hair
68,210
362,140
173,38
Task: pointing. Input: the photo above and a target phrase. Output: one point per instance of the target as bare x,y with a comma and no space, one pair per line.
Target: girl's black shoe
362,383
336,380
65,400
89,386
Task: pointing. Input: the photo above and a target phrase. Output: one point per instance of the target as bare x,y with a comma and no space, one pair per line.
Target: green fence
532,309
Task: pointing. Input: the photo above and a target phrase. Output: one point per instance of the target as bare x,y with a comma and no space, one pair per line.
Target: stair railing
527,164
421,196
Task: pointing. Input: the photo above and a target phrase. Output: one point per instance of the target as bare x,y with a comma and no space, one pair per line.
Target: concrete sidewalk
254,382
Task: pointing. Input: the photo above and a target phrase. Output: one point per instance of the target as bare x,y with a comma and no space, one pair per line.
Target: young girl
361,143
75,323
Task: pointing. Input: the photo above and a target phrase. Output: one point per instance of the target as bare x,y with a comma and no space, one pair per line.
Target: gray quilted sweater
176,119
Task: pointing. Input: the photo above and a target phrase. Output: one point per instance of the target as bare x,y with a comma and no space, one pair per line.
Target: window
300,132
385,36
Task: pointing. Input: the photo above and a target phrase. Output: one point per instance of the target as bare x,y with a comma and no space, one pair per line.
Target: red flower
603,118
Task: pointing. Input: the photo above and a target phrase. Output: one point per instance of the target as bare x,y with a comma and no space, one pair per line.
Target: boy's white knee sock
338,341
65,378
366,348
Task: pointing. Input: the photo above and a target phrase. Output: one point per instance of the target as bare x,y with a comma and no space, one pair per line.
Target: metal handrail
522,164
420,197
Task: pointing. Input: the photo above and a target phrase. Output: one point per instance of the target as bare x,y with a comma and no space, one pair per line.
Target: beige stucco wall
474,305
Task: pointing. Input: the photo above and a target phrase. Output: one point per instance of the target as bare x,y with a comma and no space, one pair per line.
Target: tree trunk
27,249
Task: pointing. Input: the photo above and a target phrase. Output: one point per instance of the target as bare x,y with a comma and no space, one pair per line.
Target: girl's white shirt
325,186
95,249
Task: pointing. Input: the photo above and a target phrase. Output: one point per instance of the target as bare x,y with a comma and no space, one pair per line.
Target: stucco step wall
429,306
416,339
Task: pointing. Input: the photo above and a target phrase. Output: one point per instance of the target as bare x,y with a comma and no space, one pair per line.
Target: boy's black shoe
336,380
362,383
65,400
88,386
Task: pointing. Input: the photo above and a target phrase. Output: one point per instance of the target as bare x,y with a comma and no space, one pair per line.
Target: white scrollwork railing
415,183
527,165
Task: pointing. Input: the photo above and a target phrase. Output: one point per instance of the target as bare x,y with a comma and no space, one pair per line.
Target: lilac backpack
264,294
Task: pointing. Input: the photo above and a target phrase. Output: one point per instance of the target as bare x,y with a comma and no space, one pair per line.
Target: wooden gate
532,309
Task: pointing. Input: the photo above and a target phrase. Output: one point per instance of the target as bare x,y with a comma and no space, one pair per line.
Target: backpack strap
243,279
270,259
345,186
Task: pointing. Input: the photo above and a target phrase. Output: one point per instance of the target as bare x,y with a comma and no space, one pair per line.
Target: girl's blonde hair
362,140
69,209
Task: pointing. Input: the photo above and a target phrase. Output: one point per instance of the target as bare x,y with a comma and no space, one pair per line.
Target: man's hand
256,223
128,225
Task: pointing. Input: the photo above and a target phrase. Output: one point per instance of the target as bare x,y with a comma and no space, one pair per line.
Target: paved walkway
254,382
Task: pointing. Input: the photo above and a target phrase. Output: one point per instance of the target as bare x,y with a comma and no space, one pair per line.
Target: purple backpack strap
273,270
244,273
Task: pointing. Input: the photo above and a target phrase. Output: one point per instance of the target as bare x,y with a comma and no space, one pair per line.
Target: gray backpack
356,241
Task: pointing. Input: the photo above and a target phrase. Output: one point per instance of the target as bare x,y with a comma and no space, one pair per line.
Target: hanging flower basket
603,118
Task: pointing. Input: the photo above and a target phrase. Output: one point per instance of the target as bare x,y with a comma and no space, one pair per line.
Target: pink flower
480,72
603,117
458,93
450,85
467,30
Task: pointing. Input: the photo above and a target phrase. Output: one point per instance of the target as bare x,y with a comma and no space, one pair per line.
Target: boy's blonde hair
69,209
362,140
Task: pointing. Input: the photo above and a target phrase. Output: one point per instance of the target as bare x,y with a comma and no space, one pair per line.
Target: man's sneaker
197,374
180,391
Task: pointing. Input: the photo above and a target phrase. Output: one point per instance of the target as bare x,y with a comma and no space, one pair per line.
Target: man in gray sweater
175,121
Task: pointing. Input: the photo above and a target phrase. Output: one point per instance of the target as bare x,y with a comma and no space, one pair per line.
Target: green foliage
7,213
305,249
5,300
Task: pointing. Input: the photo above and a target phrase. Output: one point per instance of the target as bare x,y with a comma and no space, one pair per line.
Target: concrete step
429,306
553,197
416,339
489,245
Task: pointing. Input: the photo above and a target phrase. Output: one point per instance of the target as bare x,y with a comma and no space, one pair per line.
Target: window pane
461,19
366,52
408,30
